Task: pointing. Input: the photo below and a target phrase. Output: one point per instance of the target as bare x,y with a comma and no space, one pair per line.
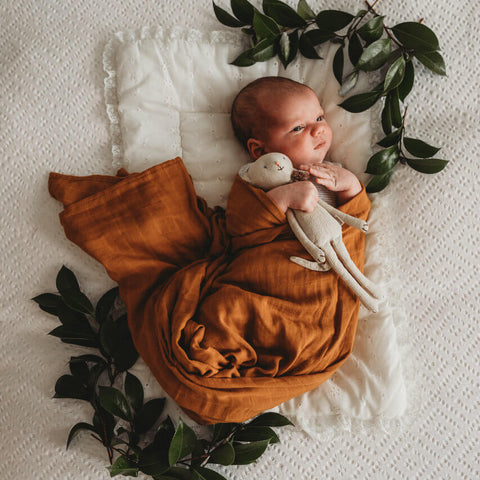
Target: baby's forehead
293,102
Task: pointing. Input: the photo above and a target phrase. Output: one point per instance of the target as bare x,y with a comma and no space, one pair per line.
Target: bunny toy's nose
279,166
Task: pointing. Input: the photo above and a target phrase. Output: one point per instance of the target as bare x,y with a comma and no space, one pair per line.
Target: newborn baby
275,114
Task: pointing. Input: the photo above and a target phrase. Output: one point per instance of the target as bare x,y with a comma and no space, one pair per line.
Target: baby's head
276,114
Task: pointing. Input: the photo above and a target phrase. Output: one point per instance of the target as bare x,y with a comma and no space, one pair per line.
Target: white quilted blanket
52,117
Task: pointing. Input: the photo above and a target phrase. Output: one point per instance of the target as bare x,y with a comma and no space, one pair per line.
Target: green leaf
95,373
123,466
305,11
149,414
48,302
316,37
333,20
427,165
307,48
203,473
416,36
222,430
394,105
183,443
108,336
72,319
133,391
379,182
67,335
338,61
243,10
395,74
69,289
406,86
165,433
223,455
270,419
375,55
154,460
68,386
224,17
249,452
116,341
418,148
372,30
391,139
288,48
105,305
66,280
177,473
113,401
88,358
80,370
349,83
254,433
360,102
244,59
76,429
264,50
104,423
386,118
283,14
355,49
383,161
361,13
265,27
433,61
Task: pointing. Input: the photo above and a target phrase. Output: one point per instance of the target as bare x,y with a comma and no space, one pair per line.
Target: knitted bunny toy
319,232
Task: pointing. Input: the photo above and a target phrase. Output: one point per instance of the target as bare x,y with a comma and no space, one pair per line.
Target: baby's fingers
320,168
328,181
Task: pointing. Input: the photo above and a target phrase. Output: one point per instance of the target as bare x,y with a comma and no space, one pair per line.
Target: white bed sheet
52,117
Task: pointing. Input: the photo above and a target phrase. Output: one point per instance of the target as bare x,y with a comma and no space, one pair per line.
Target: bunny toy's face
270,171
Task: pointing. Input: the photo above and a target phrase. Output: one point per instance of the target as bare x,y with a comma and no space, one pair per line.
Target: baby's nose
318,129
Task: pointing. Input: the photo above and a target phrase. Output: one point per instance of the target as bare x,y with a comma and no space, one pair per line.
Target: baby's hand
336,179
297,196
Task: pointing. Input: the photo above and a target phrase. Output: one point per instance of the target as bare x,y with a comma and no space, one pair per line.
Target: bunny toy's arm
344,217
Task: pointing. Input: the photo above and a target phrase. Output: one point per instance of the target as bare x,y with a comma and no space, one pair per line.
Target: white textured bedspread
52,117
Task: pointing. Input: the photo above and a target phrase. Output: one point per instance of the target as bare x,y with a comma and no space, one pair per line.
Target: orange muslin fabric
226,322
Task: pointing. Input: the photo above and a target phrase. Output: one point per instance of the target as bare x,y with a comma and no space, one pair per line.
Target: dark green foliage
365,42
141,442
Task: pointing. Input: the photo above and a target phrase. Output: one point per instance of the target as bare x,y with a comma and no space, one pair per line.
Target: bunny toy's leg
342,252
319,265
367,300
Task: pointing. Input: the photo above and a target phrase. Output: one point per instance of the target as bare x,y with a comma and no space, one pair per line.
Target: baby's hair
248,111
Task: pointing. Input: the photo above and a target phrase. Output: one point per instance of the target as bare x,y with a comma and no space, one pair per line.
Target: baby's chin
314,160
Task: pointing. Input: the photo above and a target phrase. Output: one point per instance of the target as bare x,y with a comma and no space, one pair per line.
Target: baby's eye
320,118
298,128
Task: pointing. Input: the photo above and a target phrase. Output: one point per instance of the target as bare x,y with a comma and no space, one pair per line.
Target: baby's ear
255,148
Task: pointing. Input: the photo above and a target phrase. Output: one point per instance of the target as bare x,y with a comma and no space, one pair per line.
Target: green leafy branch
128,427
365,45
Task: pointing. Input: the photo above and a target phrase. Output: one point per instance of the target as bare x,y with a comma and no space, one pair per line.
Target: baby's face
297,128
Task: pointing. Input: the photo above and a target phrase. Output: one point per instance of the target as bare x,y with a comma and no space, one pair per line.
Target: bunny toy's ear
244,172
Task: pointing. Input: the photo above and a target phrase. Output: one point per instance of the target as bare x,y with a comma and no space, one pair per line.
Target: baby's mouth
320,145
